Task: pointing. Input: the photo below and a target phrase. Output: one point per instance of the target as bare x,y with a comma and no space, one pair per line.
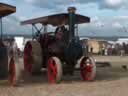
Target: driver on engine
59,32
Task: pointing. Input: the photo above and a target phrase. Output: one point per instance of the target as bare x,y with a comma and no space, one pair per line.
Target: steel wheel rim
27,57
52,70
86,69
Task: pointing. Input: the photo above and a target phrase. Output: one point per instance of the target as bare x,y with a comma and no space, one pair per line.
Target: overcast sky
108,17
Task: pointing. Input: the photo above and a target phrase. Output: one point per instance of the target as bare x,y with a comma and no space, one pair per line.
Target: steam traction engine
58,51
5,10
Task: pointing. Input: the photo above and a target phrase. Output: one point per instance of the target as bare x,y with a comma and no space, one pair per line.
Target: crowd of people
115,49
12,47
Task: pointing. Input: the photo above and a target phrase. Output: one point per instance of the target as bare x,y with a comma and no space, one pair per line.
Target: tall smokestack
71,22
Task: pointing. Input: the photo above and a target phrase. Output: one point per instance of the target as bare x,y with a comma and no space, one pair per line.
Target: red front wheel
12,72
87,68
54,70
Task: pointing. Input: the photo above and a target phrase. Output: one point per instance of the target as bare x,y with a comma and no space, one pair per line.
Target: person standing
91,50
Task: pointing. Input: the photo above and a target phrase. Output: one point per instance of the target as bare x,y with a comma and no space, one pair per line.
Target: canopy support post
1,27
32,32
45,28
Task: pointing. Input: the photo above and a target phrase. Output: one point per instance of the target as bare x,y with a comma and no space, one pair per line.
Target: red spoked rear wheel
28,57
54,70
12,72
87,68
32,57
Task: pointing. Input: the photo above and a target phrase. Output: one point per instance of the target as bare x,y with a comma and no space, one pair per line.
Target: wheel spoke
12,71
54,72
27,57
53,68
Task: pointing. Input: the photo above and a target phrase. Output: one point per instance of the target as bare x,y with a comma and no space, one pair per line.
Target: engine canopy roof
57,19
6,9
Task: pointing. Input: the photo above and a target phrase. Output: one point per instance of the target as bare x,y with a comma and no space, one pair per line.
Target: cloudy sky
108,17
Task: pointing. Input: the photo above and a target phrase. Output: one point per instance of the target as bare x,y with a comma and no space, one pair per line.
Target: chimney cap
71,9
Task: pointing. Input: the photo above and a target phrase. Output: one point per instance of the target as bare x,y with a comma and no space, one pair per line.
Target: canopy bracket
37,30
1,27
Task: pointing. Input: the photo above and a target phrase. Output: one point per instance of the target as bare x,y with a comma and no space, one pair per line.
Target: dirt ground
110,81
